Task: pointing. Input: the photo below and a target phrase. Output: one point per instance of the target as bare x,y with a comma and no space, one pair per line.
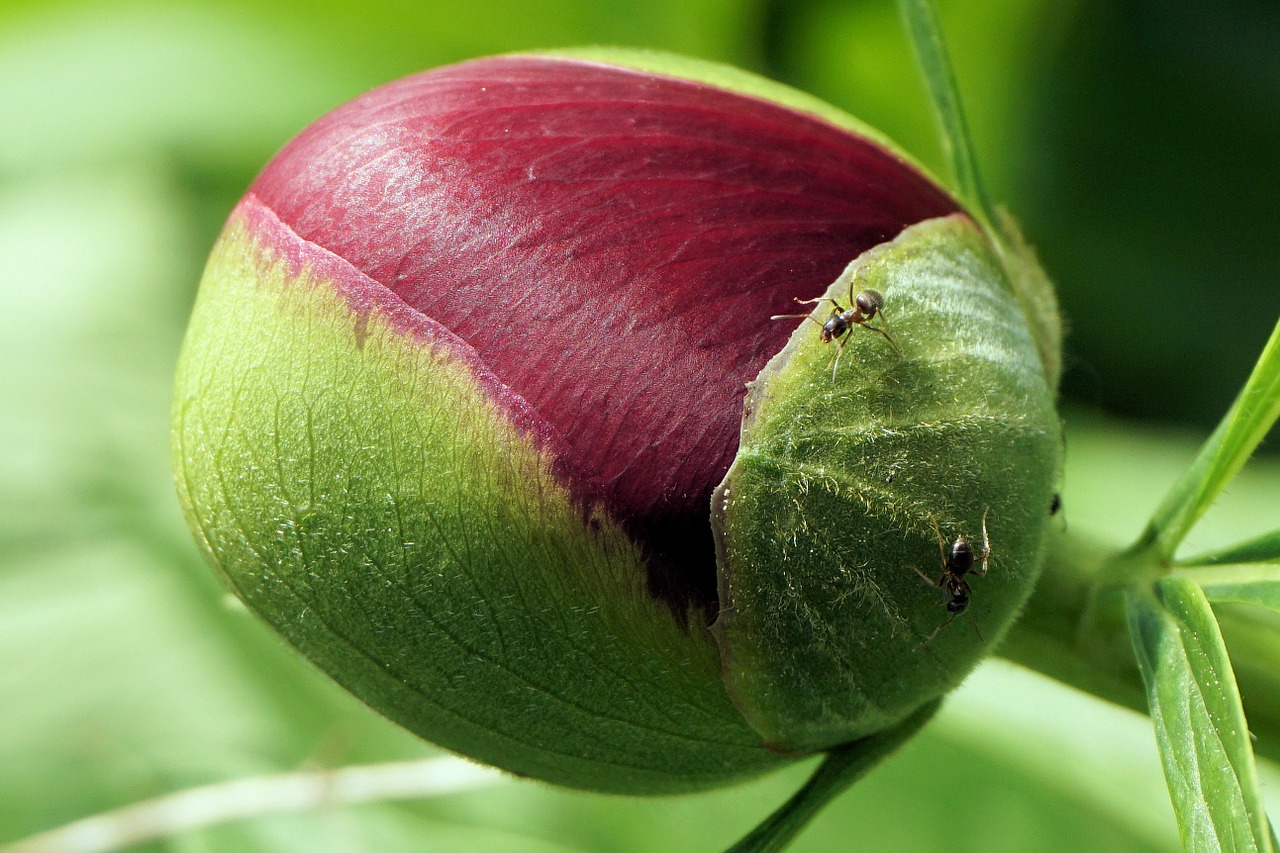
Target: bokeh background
1139,141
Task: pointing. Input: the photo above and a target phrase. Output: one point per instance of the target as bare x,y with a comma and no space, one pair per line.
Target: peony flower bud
461,414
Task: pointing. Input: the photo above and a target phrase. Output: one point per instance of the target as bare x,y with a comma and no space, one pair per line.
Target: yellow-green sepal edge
358,489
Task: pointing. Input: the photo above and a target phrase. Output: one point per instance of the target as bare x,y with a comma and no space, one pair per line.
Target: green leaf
1255,585
1199,722
1248,420
922,24
1263,594
1260,549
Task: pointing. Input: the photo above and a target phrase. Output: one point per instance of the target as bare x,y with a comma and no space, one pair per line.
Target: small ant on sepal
957,562
866,305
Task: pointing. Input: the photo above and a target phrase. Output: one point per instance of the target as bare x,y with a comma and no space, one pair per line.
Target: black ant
957,563
866,305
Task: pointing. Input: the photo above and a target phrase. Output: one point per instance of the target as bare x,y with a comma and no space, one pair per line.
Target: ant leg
986,544
835,362
800,301
793,317
930,581
942,545
884,330
816,299
936,631
885,333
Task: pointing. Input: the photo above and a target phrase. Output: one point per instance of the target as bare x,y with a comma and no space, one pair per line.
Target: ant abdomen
869,302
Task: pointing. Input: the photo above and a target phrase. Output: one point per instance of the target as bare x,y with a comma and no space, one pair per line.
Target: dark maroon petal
612,244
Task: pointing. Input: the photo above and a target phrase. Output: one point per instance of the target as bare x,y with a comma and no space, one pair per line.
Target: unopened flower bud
483,407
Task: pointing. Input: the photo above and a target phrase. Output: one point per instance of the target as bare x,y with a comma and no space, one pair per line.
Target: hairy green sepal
826,519
355,487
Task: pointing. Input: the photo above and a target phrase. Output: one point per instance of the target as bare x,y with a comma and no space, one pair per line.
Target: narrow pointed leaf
1261,549
1199,722
1257,585
1026,277
1263,594
1248,420
925,31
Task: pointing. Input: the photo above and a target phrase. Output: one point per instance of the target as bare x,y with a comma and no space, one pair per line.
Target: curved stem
842,767
258,796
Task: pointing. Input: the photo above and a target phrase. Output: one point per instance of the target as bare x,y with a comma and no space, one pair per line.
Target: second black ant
957,562
865,306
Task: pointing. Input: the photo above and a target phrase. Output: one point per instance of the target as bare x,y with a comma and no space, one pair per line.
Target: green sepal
825,521
1035,292
357,487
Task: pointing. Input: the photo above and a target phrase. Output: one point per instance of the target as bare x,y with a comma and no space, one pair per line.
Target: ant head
869,302
835,326
958,604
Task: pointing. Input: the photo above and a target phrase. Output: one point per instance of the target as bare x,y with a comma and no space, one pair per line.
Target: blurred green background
1138,141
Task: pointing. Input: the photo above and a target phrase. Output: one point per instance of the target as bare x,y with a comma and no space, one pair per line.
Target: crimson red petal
612,244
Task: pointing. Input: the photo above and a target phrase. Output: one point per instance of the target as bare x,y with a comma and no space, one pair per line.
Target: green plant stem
1099,659
1048,637
841,768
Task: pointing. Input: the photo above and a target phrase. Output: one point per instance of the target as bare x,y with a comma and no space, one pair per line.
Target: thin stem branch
843,766
259,796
